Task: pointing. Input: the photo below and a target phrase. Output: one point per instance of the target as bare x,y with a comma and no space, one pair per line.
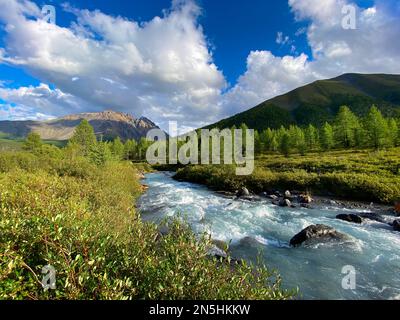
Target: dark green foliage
320,101
285,145
309,114
271,117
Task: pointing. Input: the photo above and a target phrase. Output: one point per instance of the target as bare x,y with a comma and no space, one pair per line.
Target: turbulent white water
262,228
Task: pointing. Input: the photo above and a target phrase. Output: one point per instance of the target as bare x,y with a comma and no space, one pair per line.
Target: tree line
84,143
345,132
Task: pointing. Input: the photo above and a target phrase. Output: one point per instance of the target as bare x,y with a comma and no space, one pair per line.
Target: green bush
81,219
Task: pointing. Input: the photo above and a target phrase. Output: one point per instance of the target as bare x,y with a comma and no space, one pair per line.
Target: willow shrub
81,220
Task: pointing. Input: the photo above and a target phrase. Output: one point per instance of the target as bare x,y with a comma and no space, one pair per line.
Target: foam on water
254,227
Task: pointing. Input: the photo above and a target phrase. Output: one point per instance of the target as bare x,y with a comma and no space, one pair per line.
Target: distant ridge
107,125
319,101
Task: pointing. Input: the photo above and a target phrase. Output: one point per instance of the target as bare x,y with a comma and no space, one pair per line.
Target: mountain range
107,125
319,102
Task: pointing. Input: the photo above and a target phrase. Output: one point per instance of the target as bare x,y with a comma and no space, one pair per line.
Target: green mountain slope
319,102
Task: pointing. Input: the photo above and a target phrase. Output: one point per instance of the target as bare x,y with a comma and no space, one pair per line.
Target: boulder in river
215,251
288,195
396,225
243,192
285,203
305,198
350,218
372,216
273,197
320,232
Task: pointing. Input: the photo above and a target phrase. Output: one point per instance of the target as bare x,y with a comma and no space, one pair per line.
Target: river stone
396,225
214,251
288,195
319,231
243,192
220,244
372,216
304,198
285,203
350,218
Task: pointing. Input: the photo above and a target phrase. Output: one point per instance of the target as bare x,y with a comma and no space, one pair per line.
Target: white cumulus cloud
163,68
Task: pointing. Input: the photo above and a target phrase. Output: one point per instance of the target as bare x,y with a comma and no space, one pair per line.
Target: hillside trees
346,131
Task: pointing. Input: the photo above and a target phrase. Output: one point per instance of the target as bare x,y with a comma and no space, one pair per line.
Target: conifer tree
393,133
376,128
84,137
33,142
327,137
346,124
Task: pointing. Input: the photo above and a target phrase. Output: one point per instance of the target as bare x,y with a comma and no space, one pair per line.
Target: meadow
365,175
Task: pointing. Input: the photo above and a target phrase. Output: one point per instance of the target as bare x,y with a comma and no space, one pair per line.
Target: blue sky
239,53
233,29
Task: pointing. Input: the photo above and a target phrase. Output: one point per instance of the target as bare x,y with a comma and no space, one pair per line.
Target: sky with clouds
189,61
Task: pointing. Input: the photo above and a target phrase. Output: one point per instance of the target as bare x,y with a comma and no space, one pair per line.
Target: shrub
81,219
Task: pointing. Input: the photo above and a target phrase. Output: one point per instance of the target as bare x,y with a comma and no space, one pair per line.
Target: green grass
353,174
9,143
62,210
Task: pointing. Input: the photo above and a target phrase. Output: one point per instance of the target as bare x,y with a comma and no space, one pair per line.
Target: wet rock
350,218
243,192
318,232
251,198
285,203
278,194
273,197
163,230
248,241
288,195
396,225
397,209
305,198
372,216
306,205
220,244
214,251
141,175
227,194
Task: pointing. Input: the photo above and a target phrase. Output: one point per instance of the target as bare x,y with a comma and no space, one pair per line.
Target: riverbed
256,228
